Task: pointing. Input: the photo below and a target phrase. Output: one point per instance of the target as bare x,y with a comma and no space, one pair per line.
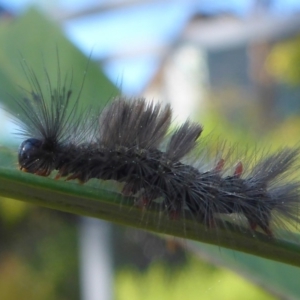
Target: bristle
273,166
134,123
183,140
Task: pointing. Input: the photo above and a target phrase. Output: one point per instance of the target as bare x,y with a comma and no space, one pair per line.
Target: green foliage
194,281
12,211
284,59
41,44
19,281
38,257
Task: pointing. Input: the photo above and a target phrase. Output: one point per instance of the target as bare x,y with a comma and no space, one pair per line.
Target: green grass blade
100,203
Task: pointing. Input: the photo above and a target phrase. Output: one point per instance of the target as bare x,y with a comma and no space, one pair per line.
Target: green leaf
280,279
111,206
41,44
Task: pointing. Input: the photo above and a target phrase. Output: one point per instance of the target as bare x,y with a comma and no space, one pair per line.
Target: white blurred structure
96,271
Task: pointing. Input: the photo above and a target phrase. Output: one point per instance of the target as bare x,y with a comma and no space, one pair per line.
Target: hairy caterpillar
124,142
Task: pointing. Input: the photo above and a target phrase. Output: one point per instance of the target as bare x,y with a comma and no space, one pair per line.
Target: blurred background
231,65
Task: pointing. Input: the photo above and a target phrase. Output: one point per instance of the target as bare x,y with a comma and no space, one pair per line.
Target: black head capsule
37,157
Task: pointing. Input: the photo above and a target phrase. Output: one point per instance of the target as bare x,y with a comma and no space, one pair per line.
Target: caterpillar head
36,156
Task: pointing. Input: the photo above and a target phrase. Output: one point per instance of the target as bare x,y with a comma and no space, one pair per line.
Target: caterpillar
125,143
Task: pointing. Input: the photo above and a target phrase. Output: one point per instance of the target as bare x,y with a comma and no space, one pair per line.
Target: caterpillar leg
130,189
255,222
266,229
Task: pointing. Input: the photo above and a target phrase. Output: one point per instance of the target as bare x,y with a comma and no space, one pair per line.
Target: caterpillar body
123,143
